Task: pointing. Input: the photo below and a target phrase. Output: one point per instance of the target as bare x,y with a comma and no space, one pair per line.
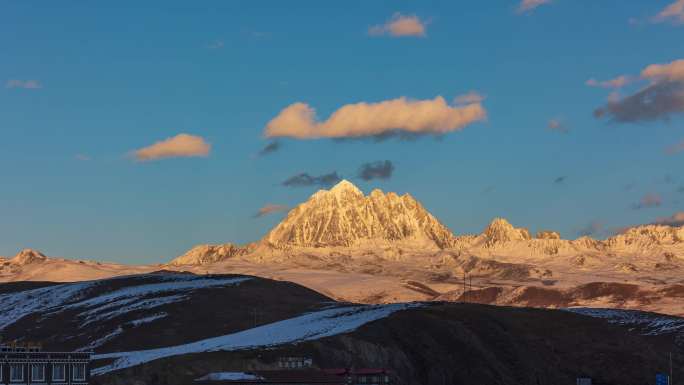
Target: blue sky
112,78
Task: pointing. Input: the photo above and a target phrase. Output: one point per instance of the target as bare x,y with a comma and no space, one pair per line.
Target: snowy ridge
132,298
57,298
651,323
21,304
312,326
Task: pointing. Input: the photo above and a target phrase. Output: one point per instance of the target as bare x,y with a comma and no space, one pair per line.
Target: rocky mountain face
343,216
207,254
28,256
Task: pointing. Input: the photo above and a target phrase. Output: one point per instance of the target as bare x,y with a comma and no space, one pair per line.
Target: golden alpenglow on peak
344,216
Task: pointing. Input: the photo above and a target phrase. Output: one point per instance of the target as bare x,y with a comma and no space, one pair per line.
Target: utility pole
464,287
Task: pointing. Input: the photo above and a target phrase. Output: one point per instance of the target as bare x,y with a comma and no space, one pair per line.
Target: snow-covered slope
149,309
312,326
646,323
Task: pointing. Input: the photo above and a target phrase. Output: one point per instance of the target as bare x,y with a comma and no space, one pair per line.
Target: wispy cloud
529,5
675,148
376,170
674,13
557,126
182,145
402,115
270,209
676,219
617,82
469,98
304,179
591,229
400,26
270,148
25,84
216,44
661,98
648,201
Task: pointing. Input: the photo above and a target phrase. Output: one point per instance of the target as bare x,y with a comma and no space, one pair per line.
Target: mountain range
385,247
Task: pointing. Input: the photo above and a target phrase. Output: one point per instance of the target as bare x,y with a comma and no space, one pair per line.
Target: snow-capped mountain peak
344,216
501,231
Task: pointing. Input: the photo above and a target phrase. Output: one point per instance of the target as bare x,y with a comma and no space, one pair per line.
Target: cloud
359,120
673,71
400,26
656,101
469,98
661,98
304,179
618,82
648,201
376,170
82,157
270,148
182,145
677,219
591,229
560,179
216,44
675,148
673,13
25,84
558,126
270,209
528,5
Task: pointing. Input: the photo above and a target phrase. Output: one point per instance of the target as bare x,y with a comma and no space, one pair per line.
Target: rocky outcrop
547,234
647,236
500,231
27,257
208,254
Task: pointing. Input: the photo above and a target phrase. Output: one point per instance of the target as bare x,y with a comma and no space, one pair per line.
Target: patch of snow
652,324
149,319
311,326
100,341
20,304
61,297
142,304
230,376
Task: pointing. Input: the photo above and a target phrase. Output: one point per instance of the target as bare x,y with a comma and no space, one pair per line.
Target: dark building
299,377
28,364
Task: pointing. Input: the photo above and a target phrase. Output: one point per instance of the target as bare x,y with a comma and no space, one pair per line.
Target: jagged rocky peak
548,234
29,256
500,231
647,235
344,216
207,254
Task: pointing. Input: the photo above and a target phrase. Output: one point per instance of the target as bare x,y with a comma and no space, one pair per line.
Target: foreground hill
156,309
171,328
384,247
